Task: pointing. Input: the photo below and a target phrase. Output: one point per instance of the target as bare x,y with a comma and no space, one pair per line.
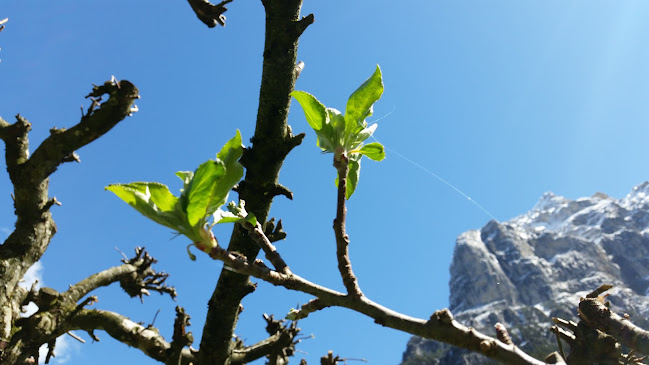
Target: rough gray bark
271,143
30,176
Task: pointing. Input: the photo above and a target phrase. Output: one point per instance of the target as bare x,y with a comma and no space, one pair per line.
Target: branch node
294,141
303,23
209,14
50,203
92,335
297,70
72,157
181,338
274,232
502,335
278,189
443,316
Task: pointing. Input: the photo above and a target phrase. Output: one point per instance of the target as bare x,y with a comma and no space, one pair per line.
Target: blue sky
503,99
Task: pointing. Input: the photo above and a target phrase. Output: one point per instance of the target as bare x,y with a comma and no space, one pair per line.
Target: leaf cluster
205,191
344,135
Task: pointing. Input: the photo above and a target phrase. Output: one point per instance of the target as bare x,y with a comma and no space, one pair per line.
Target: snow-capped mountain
534,267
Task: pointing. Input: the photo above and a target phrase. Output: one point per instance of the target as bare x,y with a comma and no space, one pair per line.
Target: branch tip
208,13
303,23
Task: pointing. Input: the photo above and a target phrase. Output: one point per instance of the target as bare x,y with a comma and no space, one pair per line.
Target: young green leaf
314,111
186,177
202,190
337,122
154,201
230,155
353,174
359,105
374,151
235,214
365,134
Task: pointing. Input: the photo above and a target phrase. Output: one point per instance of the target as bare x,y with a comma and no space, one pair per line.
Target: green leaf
365,133
235,214
186,177
326,139
359,105
353,174
154,201
337,122
314,111
201,190
374,151
230,155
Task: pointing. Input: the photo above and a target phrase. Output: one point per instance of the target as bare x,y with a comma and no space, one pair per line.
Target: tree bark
271,143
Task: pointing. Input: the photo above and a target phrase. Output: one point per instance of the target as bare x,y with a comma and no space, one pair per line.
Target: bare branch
342,239
272,255
62,143
302,24
278,347
30,177
210,14
146,339
597,315
272,141
441,326
310,307
181,338
136,276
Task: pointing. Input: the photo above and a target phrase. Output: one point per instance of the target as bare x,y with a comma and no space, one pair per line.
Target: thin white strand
431,173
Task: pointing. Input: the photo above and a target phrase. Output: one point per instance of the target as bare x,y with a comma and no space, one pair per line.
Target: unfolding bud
207,242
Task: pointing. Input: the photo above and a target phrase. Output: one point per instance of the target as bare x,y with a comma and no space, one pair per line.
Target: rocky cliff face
534,267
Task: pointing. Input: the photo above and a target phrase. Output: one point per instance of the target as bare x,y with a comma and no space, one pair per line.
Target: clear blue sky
504,99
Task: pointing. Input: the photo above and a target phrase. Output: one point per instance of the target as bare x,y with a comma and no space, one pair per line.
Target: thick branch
272,141
62,143
146,339
57,311
30,177
342,239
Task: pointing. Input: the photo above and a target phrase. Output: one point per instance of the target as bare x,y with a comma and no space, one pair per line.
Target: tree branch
209,14
181,338
146,339
597,315
441,326
136,276
280,344
30,177
57,311
272,141
342,239
62,143
269,249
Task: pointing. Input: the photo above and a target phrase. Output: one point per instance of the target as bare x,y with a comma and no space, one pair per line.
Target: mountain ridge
524,271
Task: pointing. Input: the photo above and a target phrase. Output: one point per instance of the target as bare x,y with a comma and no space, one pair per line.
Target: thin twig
342,239
257,234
